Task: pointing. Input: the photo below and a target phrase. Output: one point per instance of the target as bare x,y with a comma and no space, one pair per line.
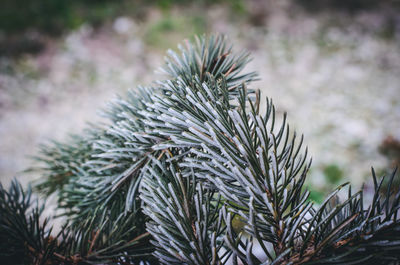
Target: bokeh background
332,65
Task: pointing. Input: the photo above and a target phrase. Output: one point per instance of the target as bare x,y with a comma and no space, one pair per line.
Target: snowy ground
336,76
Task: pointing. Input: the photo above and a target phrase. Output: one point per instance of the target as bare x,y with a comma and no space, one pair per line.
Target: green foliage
190,171
347,5
53,16
333,173
315,195
162,33
56,16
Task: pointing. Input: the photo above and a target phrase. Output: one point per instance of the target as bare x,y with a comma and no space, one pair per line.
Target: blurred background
333,65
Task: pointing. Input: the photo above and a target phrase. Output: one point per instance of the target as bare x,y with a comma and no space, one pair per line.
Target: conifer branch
185,220
190,172
27,238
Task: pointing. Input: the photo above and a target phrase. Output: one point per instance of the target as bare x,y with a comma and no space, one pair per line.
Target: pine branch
120,153
216,178
240,156
61,164
371,234
186,223
25,238
259,171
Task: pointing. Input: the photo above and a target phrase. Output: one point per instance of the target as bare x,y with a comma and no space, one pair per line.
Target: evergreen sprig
186,224
190,171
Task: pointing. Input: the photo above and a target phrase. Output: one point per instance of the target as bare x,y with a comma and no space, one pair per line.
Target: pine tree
188,171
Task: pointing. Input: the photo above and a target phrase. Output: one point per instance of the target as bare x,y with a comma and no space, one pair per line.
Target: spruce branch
120,152
26,236
185,220
190,172
259,171
125,147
